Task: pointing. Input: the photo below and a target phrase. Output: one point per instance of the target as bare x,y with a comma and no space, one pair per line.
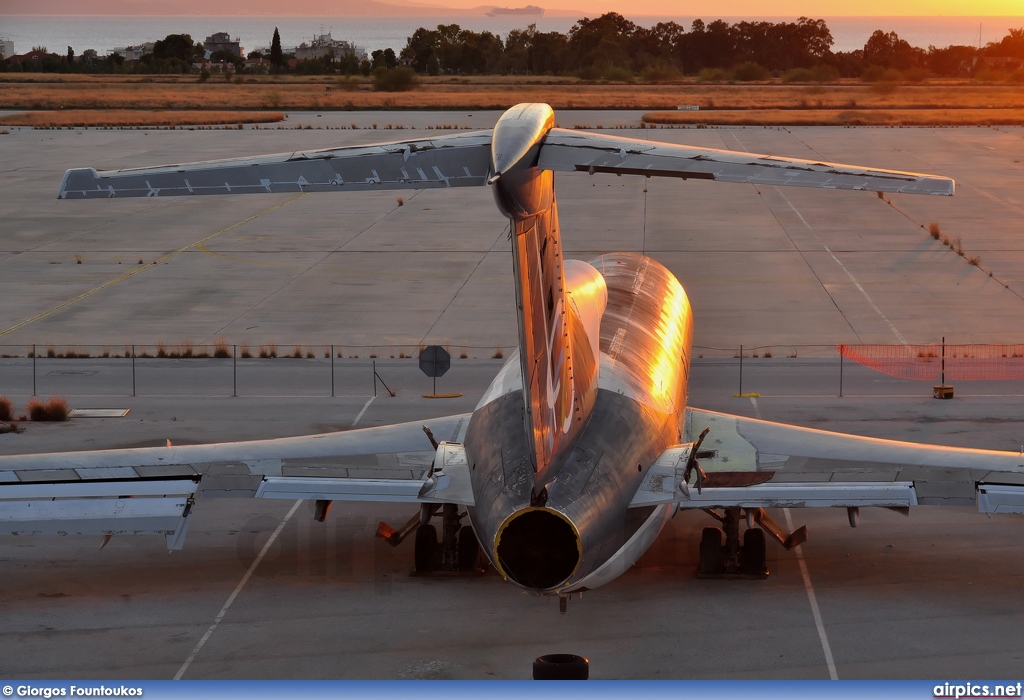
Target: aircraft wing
458,160
816,468
151,490
580,151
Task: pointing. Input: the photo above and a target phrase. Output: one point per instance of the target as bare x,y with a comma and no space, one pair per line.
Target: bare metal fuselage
575,423
566,432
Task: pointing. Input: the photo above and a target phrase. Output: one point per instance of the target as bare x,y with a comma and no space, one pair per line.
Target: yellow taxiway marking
128,275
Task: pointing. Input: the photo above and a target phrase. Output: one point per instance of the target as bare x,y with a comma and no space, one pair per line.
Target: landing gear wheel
426,549
469,549
561,667
710,551
752,556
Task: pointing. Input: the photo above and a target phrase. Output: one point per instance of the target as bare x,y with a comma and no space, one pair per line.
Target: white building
320,46
6,47
134,53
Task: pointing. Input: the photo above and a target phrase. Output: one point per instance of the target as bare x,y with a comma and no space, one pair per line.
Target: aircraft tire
469,549
426,549
752,556
561,667
710,551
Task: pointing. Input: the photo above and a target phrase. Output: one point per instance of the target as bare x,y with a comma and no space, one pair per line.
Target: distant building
324,44
30,57
1003,63
134,53
222,41
6,47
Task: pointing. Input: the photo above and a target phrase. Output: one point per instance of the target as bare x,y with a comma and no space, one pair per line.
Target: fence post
332,371
840,373
33,369
133,370
234,371
741,370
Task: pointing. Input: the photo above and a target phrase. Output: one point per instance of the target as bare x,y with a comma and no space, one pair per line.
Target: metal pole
332,371
741,370
943,361
133,370
840,374
33,370
234,370
374,377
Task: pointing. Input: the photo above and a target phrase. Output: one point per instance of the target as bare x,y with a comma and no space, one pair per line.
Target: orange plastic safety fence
927,362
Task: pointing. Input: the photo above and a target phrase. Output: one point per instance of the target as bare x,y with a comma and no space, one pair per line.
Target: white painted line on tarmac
365,406
899,336
813,599
234,593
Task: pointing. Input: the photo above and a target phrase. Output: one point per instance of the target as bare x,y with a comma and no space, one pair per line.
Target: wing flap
115,507
940,475
580,151
446,161
72,493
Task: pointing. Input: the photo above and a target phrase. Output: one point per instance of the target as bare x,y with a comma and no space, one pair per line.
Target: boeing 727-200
582,447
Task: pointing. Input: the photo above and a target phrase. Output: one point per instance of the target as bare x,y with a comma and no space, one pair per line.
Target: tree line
609,47
612,47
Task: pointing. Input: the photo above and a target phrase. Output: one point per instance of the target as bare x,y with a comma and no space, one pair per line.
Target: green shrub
347,84
818,74
713,75
617,74
660,73
749,71
398,79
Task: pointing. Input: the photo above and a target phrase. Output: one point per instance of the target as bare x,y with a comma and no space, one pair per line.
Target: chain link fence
237,370
334,370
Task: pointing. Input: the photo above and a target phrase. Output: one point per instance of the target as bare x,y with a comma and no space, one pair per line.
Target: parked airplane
583,446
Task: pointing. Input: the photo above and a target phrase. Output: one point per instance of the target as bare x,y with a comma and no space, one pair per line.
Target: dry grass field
844,102
125,117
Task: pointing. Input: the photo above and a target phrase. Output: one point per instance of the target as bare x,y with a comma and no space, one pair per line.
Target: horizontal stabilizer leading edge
445,161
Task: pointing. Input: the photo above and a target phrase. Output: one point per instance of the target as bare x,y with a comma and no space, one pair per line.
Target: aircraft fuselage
584,534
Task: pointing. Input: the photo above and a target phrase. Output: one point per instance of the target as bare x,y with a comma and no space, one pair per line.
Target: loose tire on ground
561,667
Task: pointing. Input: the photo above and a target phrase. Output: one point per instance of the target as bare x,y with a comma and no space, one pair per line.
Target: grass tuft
498,353
933,229
221,348
56,409
6,409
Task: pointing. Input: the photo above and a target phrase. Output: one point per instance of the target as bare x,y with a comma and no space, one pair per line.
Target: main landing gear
746,560
457,552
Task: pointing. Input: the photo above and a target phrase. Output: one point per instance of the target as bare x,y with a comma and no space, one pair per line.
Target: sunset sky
630,8
770,8
820,8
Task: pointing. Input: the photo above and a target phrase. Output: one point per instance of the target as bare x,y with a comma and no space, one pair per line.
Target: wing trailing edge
567,150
